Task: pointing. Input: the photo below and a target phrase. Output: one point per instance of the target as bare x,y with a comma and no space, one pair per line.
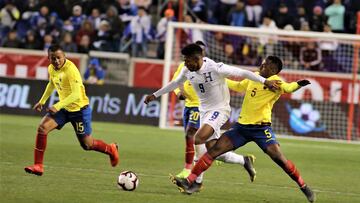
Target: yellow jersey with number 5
68,83
259,100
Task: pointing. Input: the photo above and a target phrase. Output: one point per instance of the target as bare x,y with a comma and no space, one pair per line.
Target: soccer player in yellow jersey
73,107
254,124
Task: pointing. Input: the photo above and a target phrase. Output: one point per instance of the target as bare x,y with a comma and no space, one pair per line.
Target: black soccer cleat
310,195
196,187
249,166
184,186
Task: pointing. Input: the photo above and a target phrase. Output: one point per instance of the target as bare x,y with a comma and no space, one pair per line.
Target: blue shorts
191,117
240,134
80,120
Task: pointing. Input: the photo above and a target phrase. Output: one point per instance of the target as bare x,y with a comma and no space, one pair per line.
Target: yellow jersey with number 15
68,83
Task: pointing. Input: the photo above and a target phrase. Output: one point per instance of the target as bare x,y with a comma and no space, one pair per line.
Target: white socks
231,157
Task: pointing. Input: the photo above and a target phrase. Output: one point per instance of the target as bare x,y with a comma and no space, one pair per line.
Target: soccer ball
128,181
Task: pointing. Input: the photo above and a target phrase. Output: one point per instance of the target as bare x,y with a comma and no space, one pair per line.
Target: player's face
56,58
193,63
267,69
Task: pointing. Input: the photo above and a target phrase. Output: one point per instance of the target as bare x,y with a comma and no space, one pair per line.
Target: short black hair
200,43
276,61
55,47
191,50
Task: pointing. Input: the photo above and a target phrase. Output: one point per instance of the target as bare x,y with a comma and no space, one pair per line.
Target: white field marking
207,180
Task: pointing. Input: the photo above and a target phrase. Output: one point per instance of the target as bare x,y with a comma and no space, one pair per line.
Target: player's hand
149,98
303,83
38,107
51,110
273,85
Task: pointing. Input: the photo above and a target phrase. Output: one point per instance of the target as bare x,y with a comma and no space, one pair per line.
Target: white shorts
216,119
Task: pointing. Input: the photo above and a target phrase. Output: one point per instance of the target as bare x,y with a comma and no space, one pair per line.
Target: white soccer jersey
209,83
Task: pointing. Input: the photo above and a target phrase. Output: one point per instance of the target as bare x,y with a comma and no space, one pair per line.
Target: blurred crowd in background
130,26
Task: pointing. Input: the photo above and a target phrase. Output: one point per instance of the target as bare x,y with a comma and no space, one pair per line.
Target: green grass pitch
73,175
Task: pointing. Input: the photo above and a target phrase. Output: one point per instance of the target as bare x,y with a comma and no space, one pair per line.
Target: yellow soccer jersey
192,100
68,83
259,100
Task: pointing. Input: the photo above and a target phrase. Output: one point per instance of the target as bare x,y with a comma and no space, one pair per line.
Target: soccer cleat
114,156
183,185
310,195
184,173
196,187
218,162
249,166
36,169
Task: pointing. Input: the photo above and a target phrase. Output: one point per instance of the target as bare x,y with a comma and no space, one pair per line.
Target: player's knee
42,129
190,132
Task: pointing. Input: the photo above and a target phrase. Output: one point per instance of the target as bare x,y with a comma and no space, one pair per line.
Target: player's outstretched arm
293,86
49,89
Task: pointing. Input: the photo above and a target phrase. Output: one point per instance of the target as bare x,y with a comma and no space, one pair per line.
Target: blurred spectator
335,13
11,41
192,35
143,3
283,17
54,26
126,10
237,16
161,31
40,18
94,73
67,43
68,27
268,23
95,18
84,45
229,52
317,20
253,11
198,7
48,40
222,8
8,15
328,48
140,29
310,56
305,26
31,41
77,17
103,37
301,18
116,25
86,29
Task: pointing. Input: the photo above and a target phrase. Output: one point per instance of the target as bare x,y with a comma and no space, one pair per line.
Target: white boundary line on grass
207,180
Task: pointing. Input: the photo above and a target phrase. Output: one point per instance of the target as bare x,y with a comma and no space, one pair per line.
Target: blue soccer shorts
262,135
80,120
191,117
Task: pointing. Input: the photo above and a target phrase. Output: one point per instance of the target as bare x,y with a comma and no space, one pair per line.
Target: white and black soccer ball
128,181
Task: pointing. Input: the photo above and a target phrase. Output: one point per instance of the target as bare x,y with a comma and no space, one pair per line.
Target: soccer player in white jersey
208,79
